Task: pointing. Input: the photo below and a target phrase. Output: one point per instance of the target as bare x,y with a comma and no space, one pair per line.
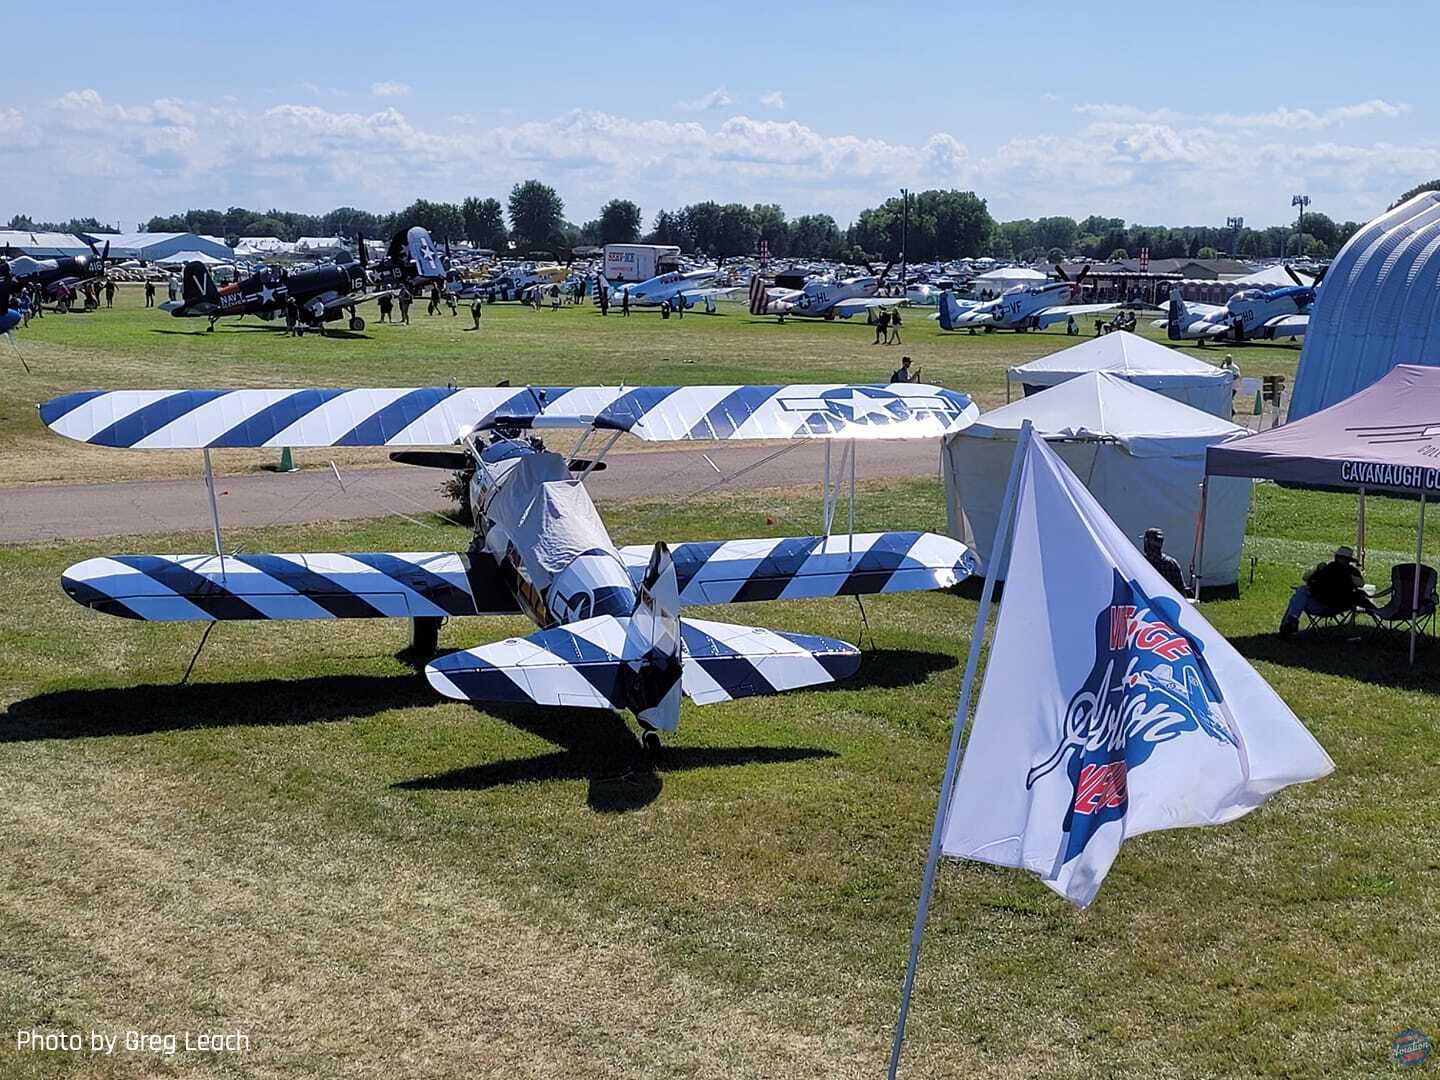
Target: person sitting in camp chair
1333,589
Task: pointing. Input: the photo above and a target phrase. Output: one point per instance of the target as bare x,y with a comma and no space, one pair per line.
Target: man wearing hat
1169,569
1330,589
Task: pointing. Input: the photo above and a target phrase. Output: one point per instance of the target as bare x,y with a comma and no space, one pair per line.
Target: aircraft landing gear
356,323
650,742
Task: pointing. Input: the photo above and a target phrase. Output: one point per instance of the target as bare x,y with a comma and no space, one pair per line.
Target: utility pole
904,234
1301,201
1236,225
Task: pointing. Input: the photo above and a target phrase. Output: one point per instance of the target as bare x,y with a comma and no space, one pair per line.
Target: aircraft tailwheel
650,742
356,323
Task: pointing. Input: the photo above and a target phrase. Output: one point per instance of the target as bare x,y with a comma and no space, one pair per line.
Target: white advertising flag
1109,708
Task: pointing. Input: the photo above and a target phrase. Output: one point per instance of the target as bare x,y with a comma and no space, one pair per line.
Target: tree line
941,225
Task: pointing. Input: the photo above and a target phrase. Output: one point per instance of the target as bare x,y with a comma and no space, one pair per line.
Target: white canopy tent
1140,454
1137,360
1006,277
180,258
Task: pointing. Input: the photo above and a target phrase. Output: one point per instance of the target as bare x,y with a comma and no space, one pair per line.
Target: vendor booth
1384,439
1137,360
1140,454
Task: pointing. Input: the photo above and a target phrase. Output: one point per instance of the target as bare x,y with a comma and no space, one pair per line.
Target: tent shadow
154,708
598,746
1364,654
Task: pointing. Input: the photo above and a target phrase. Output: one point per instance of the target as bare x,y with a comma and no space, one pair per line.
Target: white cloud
81,153
719,98
1286,118
773,99
390,89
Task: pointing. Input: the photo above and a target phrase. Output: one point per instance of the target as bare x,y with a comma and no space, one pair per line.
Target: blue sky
1174,118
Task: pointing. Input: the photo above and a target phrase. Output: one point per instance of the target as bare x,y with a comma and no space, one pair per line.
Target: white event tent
1140,454
1138,360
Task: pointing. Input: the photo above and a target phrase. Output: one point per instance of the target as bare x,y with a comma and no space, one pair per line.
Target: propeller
360,250
453,460
1076,281
1308,284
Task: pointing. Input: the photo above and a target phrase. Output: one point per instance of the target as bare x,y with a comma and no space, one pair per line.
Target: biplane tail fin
593,664
330,585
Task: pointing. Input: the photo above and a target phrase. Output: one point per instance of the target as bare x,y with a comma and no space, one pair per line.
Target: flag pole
999,553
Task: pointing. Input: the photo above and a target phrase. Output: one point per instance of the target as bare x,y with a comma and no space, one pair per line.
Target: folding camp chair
1399,608
1338,618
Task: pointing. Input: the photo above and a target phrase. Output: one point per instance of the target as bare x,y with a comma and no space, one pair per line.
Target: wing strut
214,511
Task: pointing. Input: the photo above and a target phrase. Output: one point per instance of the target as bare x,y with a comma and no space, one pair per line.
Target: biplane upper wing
439,415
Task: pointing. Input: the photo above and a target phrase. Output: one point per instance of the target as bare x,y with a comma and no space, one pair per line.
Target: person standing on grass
882,328
386,304
453,304
894,328
475,313
904,373
109,292
434,308
149,293
603,295
405,301
625,303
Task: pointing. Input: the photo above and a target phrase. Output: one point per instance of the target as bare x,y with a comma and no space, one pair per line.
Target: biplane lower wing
807,567
359,585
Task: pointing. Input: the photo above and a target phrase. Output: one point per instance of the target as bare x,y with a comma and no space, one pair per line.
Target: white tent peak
1140,361
1099,405
1120,352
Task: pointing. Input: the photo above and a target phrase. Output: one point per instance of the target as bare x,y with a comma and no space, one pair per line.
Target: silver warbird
611,633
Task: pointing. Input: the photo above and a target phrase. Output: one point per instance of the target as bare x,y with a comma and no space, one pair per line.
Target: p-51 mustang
1265,314
682,288
1024,307
821,299
611,632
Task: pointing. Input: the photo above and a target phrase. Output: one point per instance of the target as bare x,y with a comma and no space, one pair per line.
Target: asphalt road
32,512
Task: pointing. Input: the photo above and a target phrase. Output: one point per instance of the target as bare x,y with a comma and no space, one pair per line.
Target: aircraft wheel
356,323
650,742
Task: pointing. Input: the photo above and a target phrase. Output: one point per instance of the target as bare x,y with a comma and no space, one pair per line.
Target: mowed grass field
306,844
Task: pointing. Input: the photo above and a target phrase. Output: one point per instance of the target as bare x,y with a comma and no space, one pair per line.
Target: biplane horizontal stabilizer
587,664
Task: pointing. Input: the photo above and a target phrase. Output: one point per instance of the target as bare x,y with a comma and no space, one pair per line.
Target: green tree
1208,253
770,226
619,223
484,221
815,235
537,214
668,229
1428,185
1119,254
443,220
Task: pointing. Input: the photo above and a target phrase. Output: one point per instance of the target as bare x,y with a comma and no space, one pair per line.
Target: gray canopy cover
1386,437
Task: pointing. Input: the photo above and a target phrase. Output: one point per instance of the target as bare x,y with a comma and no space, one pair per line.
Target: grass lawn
307,844
132,347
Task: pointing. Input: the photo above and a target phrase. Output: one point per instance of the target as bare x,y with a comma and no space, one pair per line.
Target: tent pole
1360,530
850,503
1197,549
999,553
1415,588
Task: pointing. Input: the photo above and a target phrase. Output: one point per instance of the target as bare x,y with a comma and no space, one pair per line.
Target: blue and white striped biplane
611,634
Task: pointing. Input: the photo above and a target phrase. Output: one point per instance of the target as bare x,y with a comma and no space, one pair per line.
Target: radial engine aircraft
612,634
324,294
821,299
684,288
1023,307
1250,314
411,261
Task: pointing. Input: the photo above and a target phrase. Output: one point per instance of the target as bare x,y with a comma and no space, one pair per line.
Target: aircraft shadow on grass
598,745
155,708
595,744
346,335
1361,653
